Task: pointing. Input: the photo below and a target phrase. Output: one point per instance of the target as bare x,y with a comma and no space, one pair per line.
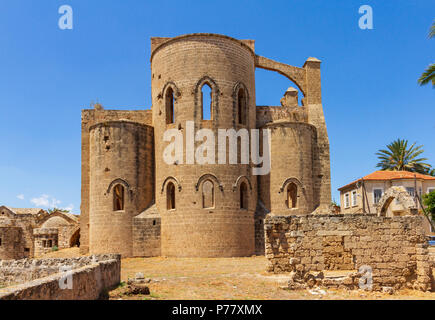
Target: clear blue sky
47,75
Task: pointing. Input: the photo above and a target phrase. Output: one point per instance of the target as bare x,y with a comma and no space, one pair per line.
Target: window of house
292,196
429,190
354,196
170,196
44,243
411,191
346,200
0,242
169,101
243,196
207,194
241,106
49,243
377,195
118,198
206,102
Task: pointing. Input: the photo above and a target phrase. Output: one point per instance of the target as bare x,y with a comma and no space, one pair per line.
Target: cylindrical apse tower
121,183
290,183
207,209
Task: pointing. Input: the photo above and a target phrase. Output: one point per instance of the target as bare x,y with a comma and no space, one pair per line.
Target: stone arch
208,176
56,214
237,87
399,193
294,74
173,179
239,180
75,238
215,92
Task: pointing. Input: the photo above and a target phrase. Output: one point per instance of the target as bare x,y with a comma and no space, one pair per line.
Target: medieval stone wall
121,154
292,164
146,236
183,65
48,279
11,243
90,118
394,248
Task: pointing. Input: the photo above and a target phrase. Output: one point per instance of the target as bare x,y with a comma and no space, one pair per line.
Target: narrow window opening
241,106
292,196
206,98
170,196
118,198
0,242
169,100
207,194
243,196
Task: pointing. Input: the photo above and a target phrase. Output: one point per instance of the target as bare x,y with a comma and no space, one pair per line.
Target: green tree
398,157
429,202
429,74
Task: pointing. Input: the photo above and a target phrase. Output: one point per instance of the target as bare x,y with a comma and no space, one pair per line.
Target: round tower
207,209
290,182
121,183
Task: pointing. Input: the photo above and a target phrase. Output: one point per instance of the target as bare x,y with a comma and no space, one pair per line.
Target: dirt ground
223,279
227,278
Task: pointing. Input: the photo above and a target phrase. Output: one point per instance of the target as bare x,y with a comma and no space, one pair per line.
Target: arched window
170,196
243,196
118,198
207,194
169,100
292,196
206,102
241,106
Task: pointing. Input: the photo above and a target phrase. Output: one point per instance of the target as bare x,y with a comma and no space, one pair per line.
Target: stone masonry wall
146,236
395,248
11,244
90,277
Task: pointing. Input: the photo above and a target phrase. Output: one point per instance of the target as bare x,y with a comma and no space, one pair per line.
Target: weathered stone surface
393,250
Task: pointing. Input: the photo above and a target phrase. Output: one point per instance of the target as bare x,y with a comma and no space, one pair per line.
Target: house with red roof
363,195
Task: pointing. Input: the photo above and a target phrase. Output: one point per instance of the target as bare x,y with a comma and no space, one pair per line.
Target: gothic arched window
170,196
207,194
292,196
243,196
206,102
169,101
118,198
241,106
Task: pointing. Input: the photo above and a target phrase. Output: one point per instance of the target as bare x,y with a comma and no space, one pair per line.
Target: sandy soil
227,278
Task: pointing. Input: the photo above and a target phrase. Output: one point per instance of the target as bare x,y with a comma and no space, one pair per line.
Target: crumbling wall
59,279
394,248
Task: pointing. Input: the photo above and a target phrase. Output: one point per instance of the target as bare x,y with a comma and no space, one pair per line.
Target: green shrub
55,248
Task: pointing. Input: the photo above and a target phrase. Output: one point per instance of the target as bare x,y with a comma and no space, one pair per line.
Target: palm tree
399,157
429,74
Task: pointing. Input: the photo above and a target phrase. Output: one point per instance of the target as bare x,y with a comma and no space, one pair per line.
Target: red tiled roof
391,175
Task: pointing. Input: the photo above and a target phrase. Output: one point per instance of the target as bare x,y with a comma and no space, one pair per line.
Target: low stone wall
59,279
395,248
